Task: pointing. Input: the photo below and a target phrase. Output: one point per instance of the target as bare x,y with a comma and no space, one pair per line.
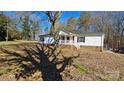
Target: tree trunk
121,38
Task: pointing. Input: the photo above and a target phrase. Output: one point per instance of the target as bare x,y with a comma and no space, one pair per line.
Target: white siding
92,41
62,33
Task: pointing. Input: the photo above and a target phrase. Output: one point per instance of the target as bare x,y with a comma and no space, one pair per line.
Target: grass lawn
15,42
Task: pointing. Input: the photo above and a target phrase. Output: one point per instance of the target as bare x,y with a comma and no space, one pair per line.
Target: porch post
60,40
71,39
75,39
65,39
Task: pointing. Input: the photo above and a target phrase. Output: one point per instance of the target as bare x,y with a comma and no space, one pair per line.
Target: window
62,38
68,38
42,39
80,39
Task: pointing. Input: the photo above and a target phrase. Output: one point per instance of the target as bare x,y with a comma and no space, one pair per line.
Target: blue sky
65,15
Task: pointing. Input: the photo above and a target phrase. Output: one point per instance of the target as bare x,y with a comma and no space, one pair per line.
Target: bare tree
61,26
53,17
71,24
84,21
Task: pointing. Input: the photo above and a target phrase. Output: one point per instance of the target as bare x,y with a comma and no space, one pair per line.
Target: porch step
77,46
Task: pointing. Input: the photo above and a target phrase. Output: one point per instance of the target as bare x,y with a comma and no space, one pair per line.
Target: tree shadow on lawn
43,58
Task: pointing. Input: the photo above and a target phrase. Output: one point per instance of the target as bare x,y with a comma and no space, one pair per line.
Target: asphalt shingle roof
80,33
84,33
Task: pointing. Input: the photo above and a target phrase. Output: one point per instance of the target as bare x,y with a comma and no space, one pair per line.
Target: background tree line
24,25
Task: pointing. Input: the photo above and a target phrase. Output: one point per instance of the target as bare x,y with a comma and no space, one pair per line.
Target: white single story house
76,38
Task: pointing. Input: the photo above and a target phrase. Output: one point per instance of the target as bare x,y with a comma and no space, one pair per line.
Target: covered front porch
66,39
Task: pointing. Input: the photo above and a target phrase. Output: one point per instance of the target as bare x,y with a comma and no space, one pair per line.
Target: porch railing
66,41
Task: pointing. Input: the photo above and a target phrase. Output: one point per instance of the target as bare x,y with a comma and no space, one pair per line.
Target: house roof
80,33
47,35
